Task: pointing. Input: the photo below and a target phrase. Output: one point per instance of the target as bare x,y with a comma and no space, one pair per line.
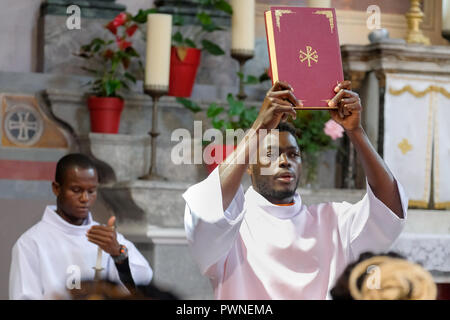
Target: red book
304,51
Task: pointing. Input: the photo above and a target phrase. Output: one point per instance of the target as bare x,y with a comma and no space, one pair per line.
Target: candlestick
241,56
156,94
414,18
98,264
157,68
243,25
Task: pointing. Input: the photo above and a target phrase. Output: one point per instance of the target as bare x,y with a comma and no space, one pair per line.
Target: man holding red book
267,244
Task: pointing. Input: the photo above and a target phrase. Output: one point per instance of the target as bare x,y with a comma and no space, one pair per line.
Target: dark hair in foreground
396,279
287,126
69,161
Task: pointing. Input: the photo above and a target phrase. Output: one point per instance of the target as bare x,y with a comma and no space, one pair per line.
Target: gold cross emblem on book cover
309,55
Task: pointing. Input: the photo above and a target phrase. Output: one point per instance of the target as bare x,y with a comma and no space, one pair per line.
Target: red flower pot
184,64
105,114
223,152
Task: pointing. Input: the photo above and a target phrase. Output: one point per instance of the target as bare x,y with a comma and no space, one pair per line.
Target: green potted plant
110,61
186,50
236,116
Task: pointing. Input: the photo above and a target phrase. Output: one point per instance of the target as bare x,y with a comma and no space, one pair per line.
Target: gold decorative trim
329,15
418,204
278,15
424,78
442,205
271,42
419,94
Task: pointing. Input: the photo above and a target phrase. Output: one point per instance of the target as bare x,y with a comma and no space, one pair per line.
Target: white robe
258,250
47,257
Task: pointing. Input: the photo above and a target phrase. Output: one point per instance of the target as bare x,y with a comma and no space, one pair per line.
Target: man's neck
68,218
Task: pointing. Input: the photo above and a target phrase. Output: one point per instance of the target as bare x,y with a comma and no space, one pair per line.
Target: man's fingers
350,100
275,100
281,85
346,84
101,244
98,237
353,107
335,101
285,109
286,95
100,232
99,227
101,240
111,221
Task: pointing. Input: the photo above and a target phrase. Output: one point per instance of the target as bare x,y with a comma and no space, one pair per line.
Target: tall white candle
98,264
243,25
318,3
446,15
159,38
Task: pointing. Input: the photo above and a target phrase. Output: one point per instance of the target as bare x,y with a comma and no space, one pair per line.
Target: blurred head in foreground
384,277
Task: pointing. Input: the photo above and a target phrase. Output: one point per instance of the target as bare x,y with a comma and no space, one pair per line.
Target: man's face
276,178
77,193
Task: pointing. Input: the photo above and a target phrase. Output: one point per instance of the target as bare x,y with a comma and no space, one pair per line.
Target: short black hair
287,126
72,160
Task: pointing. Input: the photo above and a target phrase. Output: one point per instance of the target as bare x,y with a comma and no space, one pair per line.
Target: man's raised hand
105,237
348,114
279,103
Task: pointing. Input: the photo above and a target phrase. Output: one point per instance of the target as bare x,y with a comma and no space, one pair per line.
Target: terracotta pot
184,64
105,113
219,157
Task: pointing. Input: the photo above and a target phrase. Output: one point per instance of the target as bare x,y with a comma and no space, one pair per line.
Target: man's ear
56,188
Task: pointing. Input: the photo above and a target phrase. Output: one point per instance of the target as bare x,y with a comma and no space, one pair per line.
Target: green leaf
111,86
130,77
264,77
178,37
240,75
224,6
217,124
211,27
190,43
212,48
214,110
236,107
204,18
251,80
141,16
189,104
131,52
178,20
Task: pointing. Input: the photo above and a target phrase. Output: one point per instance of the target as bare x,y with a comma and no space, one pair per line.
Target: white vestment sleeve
210,231
24,278
141,271
369,225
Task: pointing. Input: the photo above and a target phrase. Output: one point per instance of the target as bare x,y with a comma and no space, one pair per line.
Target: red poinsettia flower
122,43
120,19
111,27
131,30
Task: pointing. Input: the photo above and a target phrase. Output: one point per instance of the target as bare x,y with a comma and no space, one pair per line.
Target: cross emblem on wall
23,125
